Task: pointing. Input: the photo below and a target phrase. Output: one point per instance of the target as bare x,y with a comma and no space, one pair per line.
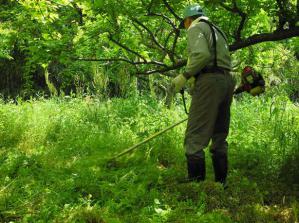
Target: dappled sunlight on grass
54,164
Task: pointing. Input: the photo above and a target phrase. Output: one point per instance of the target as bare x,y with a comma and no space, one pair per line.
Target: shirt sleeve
198,51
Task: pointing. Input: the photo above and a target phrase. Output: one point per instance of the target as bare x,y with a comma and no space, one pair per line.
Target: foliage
54,151
54,163
138,37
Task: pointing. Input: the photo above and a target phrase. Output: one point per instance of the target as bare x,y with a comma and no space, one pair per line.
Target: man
251,82
209,62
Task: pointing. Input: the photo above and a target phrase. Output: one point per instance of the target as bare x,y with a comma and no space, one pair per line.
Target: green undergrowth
54,163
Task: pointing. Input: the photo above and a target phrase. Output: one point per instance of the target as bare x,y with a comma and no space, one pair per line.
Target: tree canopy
61,35
148,30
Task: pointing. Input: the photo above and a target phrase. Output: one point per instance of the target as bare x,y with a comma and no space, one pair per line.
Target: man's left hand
179,82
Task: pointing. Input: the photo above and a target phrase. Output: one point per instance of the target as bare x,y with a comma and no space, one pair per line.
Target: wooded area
47,47
81,81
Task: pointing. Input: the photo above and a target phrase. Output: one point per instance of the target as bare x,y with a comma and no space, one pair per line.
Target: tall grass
53,163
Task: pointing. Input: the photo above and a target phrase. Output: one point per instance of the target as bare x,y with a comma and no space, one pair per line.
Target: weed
53,163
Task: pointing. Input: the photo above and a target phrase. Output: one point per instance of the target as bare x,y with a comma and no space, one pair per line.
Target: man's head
191,12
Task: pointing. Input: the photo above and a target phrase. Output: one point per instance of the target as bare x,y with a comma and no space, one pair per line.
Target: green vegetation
82,80
60,47
54,163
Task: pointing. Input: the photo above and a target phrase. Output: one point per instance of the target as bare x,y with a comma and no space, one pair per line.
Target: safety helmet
189,11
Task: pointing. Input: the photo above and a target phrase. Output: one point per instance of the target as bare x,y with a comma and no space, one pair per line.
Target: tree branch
79,11
175,41
281,14
126,48
154,39
167,19
109,60
178,65
170,9
243,15
266,37
156,63
174,30
150,33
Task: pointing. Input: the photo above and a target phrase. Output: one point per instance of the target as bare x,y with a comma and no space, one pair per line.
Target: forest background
82,80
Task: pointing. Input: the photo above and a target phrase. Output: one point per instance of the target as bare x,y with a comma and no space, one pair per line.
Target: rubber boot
220,168
196,168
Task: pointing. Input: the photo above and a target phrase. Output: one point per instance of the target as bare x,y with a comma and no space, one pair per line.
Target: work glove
178,83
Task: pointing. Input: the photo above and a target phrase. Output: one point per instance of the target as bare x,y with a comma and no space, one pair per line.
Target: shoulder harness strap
212,27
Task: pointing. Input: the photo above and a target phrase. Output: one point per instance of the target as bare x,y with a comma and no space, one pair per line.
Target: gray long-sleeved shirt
201,48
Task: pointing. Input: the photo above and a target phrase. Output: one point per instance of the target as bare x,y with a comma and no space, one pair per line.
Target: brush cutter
132,148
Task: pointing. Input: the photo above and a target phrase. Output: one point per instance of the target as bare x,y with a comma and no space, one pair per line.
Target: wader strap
212,26
219,30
